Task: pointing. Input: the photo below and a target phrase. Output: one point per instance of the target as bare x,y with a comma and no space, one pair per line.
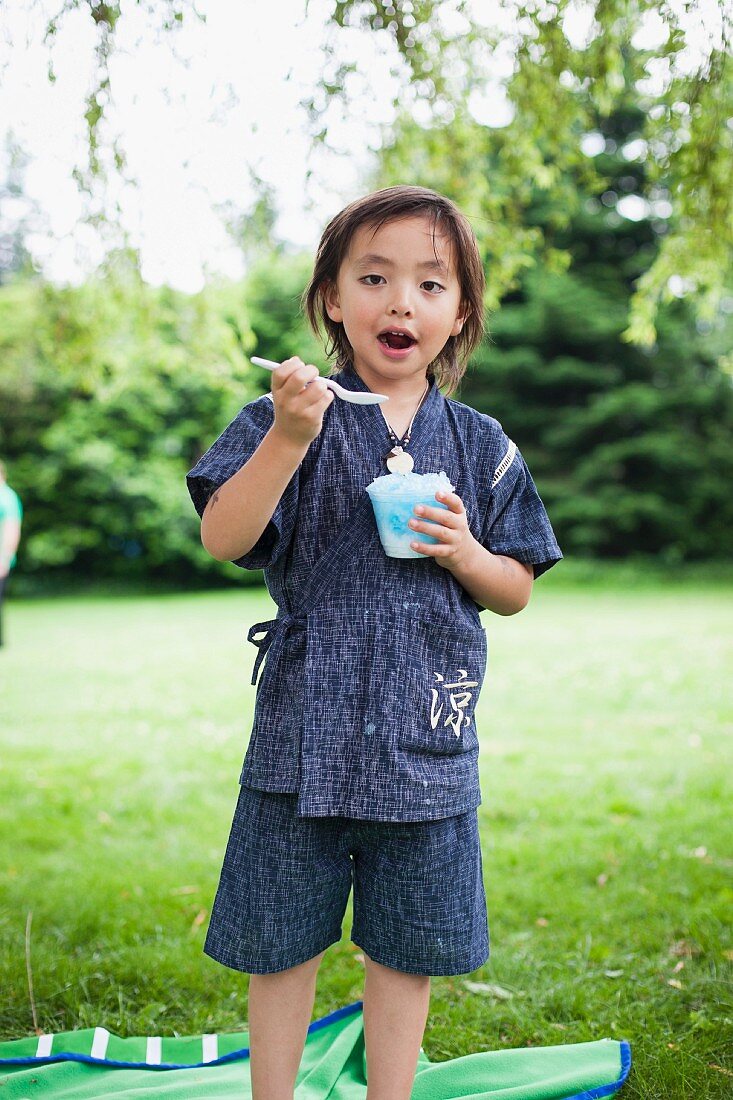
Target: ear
331,301
460,320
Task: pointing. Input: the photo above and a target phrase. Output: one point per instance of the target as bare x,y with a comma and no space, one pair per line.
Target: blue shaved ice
394,497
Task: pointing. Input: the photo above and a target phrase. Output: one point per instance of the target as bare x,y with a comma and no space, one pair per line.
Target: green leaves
564,78
110,392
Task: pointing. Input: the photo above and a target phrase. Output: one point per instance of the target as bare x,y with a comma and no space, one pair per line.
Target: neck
403,393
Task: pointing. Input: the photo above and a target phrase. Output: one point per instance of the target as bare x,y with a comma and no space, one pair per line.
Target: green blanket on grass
79,1065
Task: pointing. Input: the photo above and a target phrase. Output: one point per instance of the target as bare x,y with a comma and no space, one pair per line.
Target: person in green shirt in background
11,513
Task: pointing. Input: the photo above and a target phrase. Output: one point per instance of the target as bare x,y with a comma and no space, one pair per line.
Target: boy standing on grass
362,764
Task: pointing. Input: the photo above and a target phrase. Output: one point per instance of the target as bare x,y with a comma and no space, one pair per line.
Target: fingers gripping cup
394,497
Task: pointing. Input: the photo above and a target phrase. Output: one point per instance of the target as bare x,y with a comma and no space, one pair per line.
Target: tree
631,447
19,215
564,78
566,65
109,393
272,291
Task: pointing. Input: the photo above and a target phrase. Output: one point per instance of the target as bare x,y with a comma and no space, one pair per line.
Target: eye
365,277
431,283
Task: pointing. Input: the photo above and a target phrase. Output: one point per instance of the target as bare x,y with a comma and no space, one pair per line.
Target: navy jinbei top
374,665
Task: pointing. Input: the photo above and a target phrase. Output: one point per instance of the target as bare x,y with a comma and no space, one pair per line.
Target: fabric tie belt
271,629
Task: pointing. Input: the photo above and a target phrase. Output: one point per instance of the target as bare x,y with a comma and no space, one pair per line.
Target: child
362,762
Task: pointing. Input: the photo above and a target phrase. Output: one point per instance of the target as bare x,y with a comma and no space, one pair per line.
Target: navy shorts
419,901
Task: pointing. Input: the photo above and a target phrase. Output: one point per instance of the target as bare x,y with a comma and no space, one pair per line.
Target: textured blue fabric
366,699
419,901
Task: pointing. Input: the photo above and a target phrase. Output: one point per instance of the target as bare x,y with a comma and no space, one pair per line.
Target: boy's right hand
299,406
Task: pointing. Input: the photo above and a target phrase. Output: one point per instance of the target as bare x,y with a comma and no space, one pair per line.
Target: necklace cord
392,434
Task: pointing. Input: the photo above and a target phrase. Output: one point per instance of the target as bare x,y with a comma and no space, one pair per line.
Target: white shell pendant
399,461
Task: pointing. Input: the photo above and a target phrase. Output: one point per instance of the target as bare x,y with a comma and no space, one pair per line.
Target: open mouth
397,341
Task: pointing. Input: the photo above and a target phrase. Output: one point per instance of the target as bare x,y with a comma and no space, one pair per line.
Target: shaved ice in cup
394,497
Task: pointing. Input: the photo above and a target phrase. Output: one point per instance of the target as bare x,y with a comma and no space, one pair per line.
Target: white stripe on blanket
100,1041
45,1042
154,1050
210,1048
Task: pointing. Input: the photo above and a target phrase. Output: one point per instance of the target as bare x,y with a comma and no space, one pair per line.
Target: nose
401,305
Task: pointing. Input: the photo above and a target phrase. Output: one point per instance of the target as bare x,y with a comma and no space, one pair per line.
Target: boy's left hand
449,527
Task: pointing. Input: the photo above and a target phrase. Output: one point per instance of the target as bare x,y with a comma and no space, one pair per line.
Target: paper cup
393,498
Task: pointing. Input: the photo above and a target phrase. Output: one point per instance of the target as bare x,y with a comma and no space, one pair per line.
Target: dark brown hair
375,210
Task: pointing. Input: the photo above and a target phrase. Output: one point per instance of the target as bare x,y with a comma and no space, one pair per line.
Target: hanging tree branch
560,93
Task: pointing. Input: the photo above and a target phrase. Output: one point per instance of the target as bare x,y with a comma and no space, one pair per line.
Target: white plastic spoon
357,397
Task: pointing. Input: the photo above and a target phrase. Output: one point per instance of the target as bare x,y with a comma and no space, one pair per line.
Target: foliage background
603,212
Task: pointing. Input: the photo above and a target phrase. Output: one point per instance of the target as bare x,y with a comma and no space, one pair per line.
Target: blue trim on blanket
609,1090
347,1010
233,1056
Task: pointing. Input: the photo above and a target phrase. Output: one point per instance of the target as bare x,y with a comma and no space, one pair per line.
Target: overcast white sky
192,128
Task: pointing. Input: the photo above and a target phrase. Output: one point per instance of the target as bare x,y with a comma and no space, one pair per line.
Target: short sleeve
10,506
234,447
517,524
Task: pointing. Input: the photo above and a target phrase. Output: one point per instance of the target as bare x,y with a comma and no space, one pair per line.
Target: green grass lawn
606,770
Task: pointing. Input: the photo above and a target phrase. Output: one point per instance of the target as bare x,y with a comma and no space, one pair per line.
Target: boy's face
391,283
